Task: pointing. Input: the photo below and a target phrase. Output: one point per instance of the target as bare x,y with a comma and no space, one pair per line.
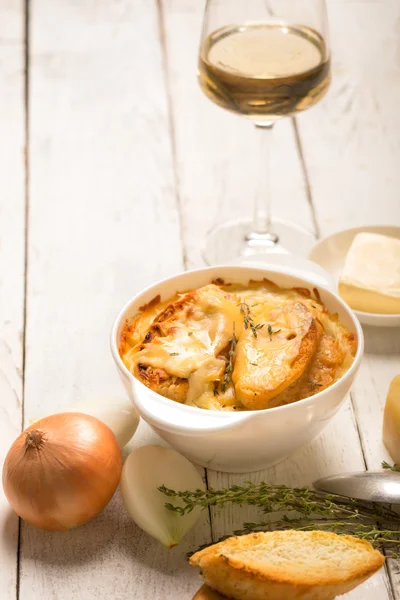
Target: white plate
330,253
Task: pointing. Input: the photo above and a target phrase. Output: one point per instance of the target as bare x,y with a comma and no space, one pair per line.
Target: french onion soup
226,346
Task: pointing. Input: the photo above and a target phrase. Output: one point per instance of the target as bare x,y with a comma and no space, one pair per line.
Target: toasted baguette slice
320,373
294,565
267,363
207,593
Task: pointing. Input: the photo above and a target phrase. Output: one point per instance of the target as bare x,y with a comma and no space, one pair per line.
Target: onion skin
62,471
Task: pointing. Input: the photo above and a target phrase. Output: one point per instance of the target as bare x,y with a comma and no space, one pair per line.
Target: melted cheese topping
202,383
203,348
198,330
268,363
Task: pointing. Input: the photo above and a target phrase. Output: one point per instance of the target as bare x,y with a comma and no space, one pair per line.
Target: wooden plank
12,211
217,152
352,153
351,140
214,152
104,223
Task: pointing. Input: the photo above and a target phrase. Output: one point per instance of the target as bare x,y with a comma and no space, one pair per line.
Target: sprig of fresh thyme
388,538
314,384
272,498
271,332
386,465
248,319
229,366
301,508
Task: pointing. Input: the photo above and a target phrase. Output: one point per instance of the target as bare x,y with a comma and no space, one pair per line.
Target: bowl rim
363,228
227,415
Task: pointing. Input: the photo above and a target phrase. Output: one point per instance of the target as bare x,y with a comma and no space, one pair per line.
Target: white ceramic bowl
330,253
227,441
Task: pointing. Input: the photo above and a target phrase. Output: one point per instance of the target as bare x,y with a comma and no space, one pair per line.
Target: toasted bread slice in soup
266,364
183,338
321,372
294,565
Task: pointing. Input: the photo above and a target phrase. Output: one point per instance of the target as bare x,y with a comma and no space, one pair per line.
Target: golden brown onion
62,470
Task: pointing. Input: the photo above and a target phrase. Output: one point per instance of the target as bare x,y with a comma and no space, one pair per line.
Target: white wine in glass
263,60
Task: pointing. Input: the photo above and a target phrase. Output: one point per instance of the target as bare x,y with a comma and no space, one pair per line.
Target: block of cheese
370,280
391,421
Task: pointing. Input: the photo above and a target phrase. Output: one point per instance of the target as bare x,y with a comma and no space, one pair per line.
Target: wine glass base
234,240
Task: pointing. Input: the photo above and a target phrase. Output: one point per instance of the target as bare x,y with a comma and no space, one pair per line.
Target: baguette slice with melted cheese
275,356
182,339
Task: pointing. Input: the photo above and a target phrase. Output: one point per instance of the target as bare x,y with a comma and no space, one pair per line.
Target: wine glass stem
261,234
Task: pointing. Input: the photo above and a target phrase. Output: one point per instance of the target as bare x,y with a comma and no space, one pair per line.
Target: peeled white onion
145,470
118,414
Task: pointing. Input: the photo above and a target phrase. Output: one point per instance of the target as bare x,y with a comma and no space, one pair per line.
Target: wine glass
263,59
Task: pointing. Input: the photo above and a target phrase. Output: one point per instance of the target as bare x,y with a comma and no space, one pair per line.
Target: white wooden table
112,167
